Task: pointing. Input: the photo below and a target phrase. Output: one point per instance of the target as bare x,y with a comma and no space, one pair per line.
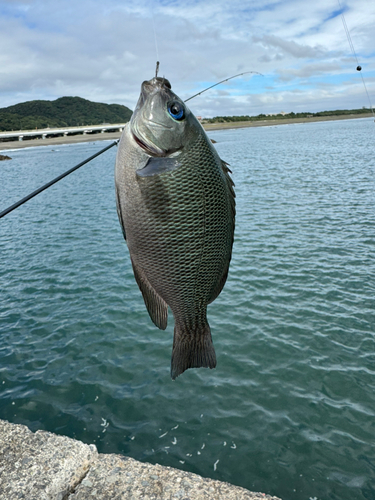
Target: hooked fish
176,206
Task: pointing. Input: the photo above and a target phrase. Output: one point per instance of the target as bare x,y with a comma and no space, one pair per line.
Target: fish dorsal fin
230,186
158,165
156,307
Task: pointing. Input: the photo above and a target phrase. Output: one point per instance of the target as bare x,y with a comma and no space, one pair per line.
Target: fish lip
150,148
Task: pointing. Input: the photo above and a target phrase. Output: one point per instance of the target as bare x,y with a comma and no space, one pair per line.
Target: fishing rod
57,179
222,81
215,84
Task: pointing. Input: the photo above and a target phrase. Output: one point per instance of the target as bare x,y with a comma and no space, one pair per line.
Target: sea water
290,408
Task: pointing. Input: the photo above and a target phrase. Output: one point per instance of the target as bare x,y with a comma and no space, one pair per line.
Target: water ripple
290,408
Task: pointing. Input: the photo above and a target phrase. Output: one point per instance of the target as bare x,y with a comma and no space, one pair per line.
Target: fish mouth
150,148
153,150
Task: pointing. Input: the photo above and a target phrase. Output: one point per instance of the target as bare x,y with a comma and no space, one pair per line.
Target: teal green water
290,408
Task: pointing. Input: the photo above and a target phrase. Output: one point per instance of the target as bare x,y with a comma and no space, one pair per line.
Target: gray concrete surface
44,466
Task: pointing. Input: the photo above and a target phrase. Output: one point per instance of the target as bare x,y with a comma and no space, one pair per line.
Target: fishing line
359,67
49,184
156,42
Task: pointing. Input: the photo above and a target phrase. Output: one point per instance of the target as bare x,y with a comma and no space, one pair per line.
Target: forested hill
63,112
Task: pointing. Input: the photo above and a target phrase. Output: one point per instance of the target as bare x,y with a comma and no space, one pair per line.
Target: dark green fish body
176,205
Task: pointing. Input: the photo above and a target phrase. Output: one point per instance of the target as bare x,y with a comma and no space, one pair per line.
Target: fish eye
177,110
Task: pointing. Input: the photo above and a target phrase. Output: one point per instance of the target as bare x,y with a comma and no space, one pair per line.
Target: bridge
21,135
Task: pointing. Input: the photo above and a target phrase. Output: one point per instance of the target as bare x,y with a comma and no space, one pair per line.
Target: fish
176,206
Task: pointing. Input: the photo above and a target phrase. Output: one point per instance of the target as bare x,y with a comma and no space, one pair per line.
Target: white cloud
104,50
289,47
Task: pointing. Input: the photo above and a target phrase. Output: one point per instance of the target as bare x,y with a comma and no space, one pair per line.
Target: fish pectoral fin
157,308
192,349
157,166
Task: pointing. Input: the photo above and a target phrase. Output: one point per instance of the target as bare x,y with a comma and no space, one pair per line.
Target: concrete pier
44,466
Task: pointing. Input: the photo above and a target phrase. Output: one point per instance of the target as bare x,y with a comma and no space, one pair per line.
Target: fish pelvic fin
192,349
157,308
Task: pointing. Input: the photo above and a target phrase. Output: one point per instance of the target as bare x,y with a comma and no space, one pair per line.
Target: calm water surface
290,409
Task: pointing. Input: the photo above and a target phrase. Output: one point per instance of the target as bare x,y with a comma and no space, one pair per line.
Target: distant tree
63,112
222,119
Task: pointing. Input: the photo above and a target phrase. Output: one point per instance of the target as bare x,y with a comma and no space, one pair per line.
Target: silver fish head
161,123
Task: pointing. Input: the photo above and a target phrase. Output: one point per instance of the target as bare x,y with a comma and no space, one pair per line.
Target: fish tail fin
192,349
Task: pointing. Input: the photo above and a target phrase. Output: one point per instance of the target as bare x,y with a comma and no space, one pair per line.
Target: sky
103,50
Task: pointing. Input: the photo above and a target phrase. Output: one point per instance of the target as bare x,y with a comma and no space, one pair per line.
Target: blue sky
103,50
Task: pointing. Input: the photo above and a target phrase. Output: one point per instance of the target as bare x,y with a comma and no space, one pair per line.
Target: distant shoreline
285,121
56,141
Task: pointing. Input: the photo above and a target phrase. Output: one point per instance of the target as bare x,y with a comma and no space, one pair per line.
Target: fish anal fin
157,308
192,349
